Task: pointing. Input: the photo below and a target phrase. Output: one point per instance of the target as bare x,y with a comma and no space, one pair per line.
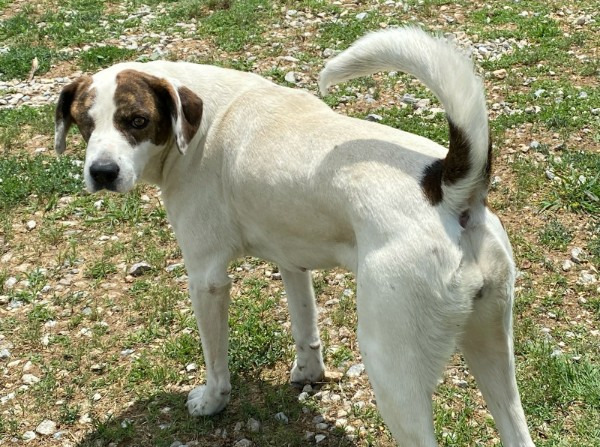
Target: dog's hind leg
406,333
209,292
488,348
308,366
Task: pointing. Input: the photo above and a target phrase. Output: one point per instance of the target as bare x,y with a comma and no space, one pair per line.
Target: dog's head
127,118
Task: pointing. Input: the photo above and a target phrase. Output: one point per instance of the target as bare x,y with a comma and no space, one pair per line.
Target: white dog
247,167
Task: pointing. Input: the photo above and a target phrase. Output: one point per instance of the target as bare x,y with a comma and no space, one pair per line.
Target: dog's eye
139,122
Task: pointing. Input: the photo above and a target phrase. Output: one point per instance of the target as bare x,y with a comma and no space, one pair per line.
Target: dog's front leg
210,299
308,367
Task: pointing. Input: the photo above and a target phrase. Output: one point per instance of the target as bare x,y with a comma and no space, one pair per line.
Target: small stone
281,417
243,443
576,255
4,353
319,438
238,427
307,388
374,117
318,419
253,425
10,283
361,15
59,434
176,444
31,225
172,267
556,353
290,77
586,278
581,20
191,367
128,351
46,427
321,426
303,396
30,379
582,95
539,92
567,265
28,435
97,367
550,175
4,299
500,74
139,268
355,370
534,144
96,397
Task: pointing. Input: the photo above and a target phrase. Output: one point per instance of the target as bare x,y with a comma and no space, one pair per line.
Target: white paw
204,402
310,372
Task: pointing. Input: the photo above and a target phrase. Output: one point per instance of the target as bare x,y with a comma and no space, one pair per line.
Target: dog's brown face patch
83,101
144,107
74,104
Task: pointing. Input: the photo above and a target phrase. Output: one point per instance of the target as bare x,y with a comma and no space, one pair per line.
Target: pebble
46,427
29,379
319,438
374,117
586,278
567,265
499,74
534,144
4,353
139,268
176,444
243,443
31,225
355,370
290,77
191,367
253,425
172,267
281,417
10,283
29,435
361,15
576,255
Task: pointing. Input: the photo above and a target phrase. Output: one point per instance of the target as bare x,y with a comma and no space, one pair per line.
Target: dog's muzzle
104,173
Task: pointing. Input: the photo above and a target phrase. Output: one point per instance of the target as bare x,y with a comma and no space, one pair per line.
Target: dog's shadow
162,420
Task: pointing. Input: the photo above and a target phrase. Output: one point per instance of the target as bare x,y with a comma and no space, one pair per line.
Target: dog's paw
310,372
204,402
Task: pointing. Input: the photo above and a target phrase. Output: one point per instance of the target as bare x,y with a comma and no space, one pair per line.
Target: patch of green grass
578,188
555,235
20,123
101,269
256,339
101,57
37,181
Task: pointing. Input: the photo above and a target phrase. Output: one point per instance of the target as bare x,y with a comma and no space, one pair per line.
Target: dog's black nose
104,173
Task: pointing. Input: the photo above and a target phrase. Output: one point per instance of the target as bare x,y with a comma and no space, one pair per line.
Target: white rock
10,283
586,278
290,77
281,417
355,370
576,255
29,379
28,435
567,265
191,367
253,425
139,268
46,427
4,353
319,438
31,225
243,443
361,15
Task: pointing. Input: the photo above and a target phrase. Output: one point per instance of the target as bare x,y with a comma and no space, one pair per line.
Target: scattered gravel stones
139,268
46,427
587,278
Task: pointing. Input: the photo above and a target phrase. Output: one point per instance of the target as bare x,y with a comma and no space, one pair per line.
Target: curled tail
462,177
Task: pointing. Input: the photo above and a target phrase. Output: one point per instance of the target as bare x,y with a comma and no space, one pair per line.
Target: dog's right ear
63,119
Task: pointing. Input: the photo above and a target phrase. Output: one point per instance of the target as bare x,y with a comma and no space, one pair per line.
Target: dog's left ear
185,108
63,119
